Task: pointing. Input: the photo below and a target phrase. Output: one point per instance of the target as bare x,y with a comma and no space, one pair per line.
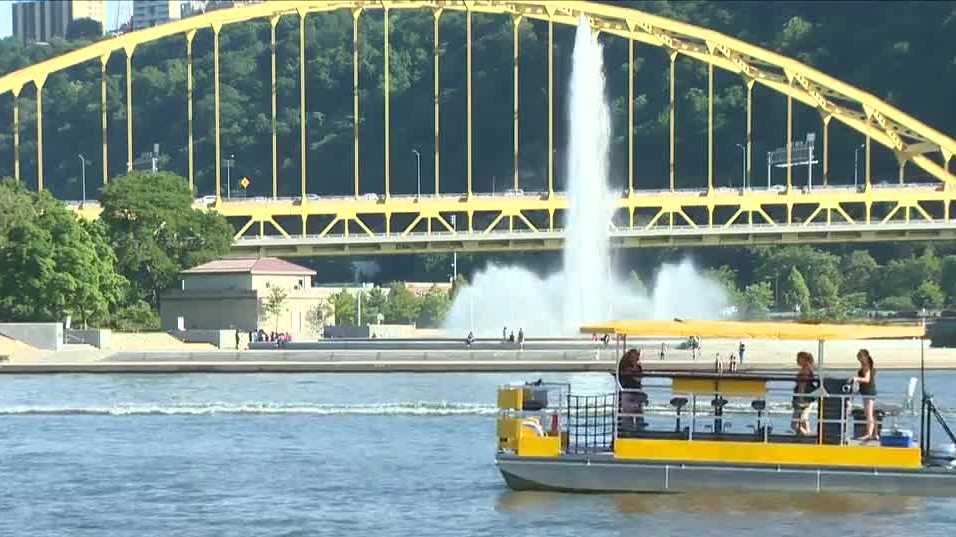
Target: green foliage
948,278
374,303
274,304
858,268
929,295
797,294
135,317
318,316
433,308
756,300
51,264
84,29
402,305
897,303
343,304
156,233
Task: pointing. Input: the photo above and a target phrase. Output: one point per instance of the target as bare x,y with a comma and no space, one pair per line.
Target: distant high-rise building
149,13
43,20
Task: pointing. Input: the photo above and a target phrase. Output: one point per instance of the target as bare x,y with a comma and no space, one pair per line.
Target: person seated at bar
866,380
629,373
802,404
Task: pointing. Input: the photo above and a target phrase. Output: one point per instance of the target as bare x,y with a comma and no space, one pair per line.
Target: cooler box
897,438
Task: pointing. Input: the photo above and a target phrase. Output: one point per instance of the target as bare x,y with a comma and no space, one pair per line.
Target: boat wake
411,408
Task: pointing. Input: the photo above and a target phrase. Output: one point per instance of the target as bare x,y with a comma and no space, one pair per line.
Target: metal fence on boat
590,423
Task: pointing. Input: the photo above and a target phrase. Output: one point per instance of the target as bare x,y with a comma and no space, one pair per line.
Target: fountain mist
586,289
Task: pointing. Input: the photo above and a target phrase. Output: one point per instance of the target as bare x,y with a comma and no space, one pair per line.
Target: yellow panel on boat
761,453
532,445
511,397
508,431
751,387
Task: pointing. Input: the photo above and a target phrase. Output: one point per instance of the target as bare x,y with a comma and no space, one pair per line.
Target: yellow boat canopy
755,330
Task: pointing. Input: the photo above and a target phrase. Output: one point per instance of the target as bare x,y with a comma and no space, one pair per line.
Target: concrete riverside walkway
383,356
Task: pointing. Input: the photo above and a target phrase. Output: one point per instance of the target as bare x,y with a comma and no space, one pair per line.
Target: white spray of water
587,248
585,290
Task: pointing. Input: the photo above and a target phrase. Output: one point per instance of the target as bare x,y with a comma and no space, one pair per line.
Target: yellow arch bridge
365,223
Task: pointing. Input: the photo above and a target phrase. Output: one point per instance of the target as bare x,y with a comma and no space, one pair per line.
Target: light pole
856,158
229,162
743,165
418,159
83,164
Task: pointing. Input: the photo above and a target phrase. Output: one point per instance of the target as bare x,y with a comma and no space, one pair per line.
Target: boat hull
605,474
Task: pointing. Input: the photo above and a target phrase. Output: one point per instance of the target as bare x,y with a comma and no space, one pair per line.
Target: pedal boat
713,430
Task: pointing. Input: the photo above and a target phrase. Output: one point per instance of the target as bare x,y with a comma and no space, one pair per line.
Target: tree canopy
51,264
156,233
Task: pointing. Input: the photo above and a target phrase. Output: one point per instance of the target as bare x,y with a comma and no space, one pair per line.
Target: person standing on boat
866,380
806,383
629,373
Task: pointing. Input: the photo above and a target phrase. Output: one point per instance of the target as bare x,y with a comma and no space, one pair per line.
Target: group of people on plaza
256,336
506,337
630,371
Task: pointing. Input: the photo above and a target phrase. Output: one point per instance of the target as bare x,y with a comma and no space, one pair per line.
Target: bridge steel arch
910,140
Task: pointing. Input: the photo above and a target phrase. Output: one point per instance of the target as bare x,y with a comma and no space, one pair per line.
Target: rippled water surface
396,454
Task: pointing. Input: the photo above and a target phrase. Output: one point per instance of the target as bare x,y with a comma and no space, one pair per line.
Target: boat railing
775,414
590,423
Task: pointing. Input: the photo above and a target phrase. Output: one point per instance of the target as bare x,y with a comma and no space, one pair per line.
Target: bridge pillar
39,85
103,116
16,134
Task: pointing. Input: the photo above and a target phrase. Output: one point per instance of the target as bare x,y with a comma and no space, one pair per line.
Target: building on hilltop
232,293
149,13
45,20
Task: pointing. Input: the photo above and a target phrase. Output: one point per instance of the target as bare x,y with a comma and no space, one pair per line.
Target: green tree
343,303
84,29
402,305
858,269
797,293
156,233
374,303
275,304
929,295
318,316
757,298
897,303
53,265
433,309
948,278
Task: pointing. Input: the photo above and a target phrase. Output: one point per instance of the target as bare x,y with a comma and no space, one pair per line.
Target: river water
388,454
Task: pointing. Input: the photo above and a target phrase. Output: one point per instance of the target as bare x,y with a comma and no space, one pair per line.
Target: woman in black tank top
866,379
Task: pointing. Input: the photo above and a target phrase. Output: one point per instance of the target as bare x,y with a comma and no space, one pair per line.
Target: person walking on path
742,348
521,338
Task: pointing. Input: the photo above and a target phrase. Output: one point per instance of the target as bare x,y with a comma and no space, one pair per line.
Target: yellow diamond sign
245,182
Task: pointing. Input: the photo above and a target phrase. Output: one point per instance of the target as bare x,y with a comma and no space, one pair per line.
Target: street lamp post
418,159
856,158
83,164
743,165
229,163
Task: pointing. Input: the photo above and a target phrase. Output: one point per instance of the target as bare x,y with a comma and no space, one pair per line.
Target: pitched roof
251,265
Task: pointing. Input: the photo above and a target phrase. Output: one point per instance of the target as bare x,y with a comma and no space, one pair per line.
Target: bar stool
678,403
718,404
759,405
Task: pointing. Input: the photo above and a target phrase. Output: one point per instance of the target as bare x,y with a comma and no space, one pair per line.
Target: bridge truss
385,222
